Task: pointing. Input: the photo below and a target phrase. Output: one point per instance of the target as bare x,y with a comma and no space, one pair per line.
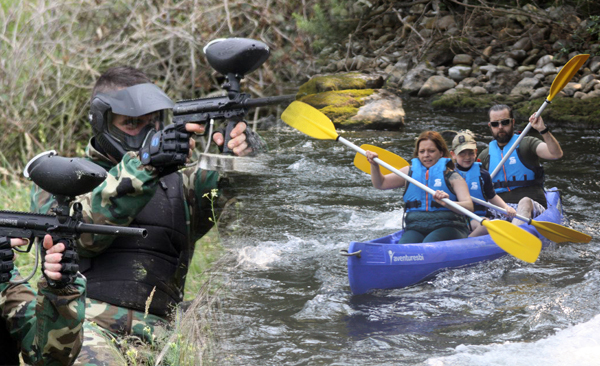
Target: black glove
69,265
167,150
6,259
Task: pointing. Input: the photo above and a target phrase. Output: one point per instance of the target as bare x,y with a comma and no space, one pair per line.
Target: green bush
329,23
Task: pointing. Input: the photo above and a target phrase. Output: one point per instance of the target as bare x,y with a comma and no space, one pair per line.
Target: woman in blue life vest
479,181
427,217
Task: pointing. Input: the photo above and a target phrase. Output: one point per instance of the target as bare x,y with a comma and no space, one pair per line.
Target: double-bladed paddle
555,232
507,236
564,76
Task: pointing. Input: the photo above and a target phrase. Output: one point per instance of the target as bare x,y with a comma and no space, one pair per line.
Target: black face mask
134,101
134,142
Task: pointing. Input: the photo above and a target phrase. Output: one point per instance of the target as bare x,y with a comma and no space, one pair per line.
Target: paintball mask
134,101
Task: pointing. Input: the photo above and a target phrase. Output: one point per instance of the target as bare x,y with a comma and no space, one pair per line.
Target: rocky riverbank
463,59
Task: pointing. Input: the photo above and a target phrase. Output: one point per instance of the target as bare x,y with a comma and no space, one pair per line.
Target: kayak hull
385,264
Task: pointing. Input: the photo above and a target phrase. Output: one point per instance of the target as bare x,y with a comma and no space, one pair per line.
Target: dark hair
437,139
119,77
501,107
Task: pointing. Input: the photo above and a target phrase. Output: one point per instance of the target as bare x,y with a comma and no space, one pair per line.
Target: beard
504,138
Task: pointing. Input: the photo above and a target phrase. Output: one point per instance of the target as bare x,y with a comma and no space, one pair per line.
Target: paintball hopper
62,176
238,56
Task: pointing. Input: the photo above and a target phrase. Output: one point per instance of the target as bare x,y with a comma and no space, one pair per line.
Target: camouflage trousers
117,336
47,326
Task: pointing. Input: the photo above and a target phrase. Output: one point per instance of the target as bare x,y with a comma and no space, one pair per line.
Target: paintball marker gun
234,58
65,178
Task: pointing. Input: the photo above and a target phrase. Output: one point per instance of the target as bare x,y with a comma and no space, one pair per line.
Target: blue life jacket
514,172
415,198
475,183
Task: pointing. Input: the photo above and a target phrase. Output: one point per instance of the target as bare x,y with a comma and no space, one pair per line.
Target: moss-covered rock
339,106
352,80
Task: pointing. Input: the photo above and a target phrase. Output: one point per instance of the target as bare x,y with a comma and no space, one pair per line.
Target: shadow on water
290,302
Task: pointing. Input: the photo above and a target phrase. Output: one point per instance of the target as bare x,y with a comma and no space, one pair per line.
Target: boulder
459,72
399,70
469,82
592,94
544,60
343,81
382,110
462,59
436,84
523,69
595,66
525,87
478,90
488,68
510,62
586,79
523,44
539,93
502,80
590,85
549,69
518,55
414,80
578,95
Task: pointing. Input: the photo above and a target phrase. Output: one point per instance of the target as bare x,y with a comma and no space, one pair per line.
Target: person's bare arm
549,149
381,181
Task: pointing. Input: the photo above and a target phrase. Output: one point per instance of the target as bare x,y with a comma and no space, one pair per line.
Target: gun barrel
111,230
260,102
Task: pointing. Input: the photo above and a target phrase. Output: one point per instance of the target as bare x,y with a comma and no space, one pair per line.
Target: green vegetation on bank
562,111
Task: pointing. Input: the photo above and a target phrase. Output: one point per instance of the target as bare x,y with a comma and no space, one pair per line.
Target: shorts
492,214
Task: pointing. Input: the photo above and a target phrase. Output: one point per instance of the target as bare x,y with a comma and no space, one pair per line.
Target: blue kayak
384,264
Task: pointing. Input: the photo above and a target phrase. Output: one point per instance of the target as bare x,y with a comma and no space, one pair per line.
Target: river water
288,301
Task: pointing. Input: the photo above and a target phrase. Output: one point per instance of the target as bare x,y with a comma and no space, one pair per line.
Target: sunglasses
504,122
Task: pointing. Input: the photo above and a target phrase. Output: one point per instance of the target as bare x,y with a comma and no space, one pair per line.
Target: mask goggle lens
504,122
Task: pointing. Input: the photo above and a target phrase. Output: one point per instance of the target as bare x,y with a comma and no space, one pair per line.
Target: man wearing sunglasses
520,182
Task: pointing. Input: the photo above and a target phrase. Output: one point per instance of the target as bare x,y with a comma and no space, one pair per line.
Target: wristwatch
545,130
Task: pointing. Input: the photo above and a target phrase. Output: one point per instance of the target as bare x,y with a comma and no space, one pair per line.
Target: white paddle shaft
497,208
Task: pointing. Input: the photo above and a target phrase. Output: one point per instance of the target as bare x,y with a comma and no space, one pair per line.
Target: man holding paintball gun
133,285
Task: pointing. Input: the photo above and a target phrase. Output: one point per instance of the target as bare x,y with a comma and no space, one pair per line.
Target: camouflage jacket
128,187
48,325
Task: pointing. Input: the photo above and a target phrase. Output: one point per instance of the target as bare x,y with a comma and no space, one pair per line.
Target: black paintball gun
65,178
233,58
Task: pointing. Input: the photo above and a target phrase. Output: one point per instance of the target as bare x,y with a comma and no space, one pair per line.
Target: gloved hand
69,266
6,259
167,150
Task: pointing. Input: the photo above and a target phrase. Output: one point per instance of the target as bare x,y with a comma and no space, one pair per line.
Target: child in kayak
479,181
427,218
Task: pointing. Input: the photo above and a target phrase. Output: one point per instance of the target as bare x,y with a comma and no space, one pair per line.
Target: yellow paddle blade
560,234
309,120
361,162
514,240
566,74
